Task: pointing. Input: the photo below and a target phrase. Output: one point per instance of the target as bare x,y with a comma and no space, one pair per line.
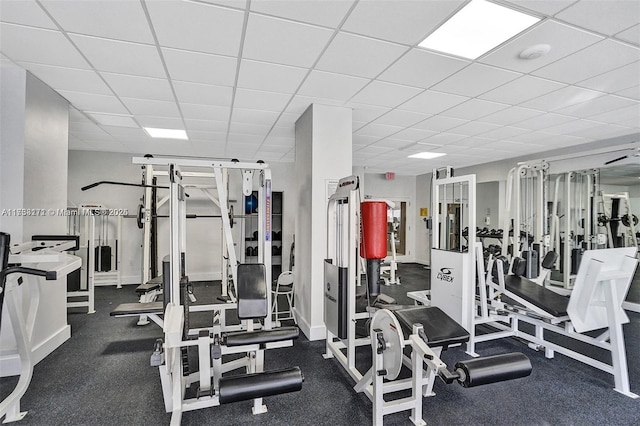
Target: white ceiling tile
366,113
203,94
266,101
114,120
631,35
282,141
200,67
129,86
204,112
572,127
597,106
438,123
473,128
299,104
430,102
254,116
629,115
413,134
521,89
160,122
283,42
544,7
502,133
543,121
352,55
120,20
605,131
393,143
442,139
270,77
402,21
385,94
333,86
422,68
563,39
613,81
153,108
207,125
378,130
569,95
475,79
474,109
606,17
211,29
125,133
213,138
632,92
94,103
590,62
363,140
511,115
328,13
39,46
25,13
61,78
257,131
120,56
401,118
288,119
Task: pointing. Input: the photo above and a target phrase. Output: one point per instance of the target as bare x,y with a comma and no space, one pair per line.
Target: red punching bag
373,231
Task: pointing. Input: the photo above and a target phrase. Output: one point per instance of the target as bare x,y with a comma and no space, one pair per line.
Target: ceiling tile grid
239,74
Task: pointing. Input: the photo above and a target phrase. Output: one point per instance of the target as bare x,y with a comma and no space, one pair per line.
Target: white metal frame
506,323
23,320
173,381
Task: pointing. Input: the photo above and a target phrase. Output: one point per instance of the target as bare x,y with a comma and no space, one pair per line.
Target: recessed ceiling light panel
166,133
427,155
477,28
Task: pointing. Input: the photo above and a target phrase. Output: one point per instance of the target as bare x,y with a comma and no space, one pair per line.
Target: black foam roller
492,369
259,385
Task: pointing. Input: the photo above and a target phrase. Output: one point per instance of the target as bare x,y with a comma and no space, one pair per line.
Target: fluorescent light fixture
427,155
166,133
477,28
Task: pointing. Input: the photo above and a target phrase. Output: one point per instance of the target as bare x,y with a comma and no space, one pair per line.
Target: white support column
323,156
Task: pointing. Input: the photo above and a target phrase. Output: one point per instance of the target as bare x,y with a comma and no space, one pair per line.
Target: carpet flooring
102,376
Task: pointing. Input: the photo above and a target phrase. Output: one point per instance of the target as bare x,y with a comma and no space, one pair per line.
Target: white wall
203,234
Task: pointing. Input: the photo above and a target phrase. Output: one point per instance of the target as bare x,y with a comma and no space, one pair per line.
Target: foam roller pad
492,369
258,385
241,338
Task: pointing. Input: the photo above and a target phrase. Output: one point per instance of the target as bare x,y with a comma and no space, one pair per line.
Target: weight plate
385,321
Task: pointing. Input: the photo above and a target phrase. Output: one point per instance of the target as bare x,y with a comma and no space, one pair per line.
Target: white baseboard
10,363
318,332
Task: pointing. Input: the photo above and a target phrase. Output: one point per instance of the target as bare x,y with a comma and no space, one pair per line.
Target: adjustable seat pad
539,296
252,291
152,284
138,309
440,328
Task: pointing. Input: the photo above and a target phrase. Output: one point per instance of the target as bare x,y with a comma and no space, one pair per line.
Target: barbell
626,220
140,216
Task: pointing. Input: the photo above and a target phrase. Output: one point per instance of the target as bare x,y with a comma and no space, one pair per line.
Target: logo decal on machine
445,275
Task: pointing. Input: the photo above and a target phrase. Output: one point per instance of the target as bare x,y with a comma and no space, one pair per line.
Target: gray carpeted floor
101,376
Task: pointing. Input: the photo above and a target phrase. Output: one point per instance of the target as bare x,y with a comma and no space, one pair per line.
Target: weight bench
595,303
426,330
151,285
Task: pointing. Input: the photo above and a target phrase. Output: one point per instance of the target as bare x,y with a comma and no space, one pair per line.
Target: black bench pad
261,336
440,328
152,284
138,309
543,298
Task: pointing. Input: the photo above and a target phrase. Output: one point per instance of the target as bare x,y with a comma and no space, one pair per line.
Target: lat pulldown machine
423,330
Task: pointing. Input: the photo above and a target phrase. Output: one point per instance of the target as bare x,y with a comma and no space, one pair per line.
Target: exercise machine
595,303
347,215
25,327
253,301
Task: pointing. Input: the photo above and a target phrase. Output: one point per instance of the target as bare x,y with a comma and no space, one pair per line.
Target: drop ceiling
237,74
